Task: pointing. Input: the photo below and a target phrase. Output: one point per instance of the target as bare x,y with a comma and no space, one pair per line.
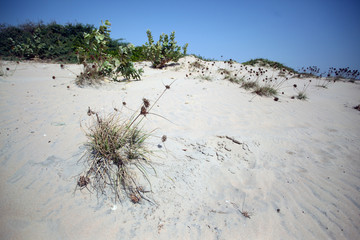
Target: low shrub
164,50
100,62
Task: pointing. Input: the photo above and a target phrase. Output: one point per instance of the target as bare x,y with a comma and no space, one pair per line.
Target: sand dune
293,165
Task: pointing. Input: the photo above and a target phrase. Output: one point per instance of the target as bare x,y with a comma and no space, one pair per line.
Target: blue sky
296,33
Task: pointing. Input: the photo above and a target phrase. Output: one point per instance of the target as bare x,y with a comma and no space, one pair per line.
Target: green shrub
164,51
100,61
37,40
138,54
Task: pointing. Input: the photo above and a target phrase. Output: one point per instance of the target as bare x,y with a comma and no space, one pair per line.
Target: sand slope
227,152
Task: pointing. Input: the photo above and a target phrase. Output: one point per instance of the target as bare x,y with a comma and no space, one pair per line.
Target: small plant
115,149
224,71
265,91
164,50
301,93
249,85
323,82
235,79
301,96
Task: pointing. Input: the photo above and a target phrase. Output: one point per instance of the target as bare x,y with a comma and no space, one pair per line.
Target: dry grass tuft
250,85
116,151
265,91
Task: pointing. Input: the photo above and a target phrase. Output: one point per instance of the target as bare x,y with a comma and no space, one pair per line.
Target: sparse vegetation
267,63
265,91
204,58
301,93
301,96
248,85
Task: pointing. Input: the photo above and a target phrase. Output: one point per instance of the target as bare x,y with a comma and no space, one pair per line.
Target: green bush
138,55
100,61
37,40
164,50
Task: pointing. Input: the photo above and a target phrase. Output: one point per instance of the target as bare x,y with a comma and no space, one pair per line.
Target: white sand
301,157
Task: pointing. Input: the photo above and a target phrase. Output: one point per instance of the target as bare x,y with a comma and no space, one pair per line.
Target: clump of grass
265,91
249,85
235,79
224,71
323,82
116,151
196,64
301,93
301,96
205,77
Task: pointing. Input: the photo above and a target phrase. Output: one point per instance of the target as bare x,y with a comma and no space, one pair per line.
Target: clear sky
296,33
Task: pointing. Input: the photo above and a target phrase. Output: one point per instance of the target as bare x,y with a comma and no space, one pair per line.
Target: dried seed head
83,181
115,109
124,103
276,99
295,86
7,69
143,111
163,138
62,66
167,86
134,198
146,102
53,77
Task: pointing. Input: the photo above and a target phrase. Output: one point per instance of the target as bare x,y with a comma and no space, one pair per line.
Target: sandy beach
292,165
